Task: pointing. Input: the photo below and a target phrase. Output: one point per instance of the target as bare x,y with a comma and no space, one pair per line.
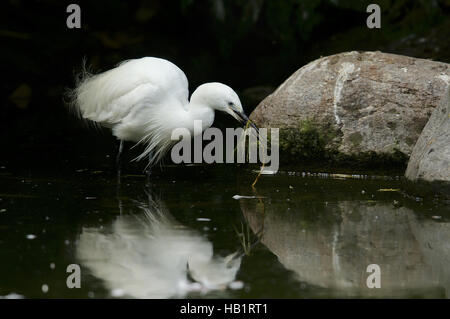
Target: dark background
251,45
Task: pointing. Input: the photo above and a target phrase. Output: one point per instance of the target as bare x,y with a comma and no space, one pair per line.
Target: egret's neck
200,112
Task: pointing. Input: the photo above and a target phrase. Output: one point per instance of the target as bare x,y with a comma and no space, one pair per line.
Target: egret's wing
109,97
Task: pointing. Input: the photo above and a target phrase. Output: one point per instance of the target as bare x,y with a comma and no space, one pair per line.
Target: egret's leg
119,161
119,153
119,168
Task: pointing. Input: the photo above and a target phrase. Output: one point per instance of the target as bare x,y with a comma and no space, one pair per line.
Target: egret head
220,97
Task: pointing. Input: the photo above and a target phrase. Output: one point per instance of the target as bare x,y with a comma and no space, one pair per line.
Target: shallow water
183,235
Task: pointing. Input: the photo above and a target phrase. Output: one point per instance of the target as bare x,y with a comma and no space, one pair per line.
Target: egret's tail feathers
73,97
98,97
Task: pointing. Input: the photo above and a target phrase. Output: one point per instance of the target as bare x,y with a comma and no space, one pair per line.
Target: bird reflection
151,255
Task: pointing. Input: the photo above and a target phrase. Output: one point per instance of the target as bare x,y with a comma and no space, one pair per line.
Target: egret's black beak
244,119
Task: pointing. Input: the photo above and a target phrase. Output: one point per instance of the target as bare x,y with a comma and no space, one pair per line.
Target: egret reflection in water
151,255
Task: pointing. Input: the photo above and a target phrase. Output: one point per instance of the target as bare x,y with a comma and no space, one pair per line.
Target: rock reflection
151,255
330,245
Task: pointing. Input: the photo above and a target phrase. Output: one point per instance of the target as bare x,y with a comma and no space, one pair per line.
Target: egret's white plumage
144,100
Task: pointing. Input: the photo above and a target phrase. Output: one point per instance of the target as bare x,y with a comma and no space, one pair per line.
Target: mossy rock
311,142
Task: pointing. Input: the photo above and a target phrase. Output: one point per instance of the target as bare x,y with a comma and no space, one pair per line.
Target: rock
430,159
355,104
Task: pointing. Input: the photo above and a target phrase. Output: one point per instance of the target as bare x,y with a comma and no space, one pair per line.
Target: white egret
144,100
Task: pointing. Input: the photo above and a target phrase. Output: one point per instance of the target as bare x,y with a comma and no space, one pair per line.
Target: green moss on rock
356,138
307,141
311,142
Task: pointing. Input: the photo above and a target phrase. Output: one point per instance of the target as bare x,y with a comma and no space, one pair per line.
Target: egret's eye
230,103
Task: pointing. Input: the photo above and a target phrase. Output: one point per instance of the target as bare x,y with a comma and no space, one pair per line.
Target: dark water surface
184,235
